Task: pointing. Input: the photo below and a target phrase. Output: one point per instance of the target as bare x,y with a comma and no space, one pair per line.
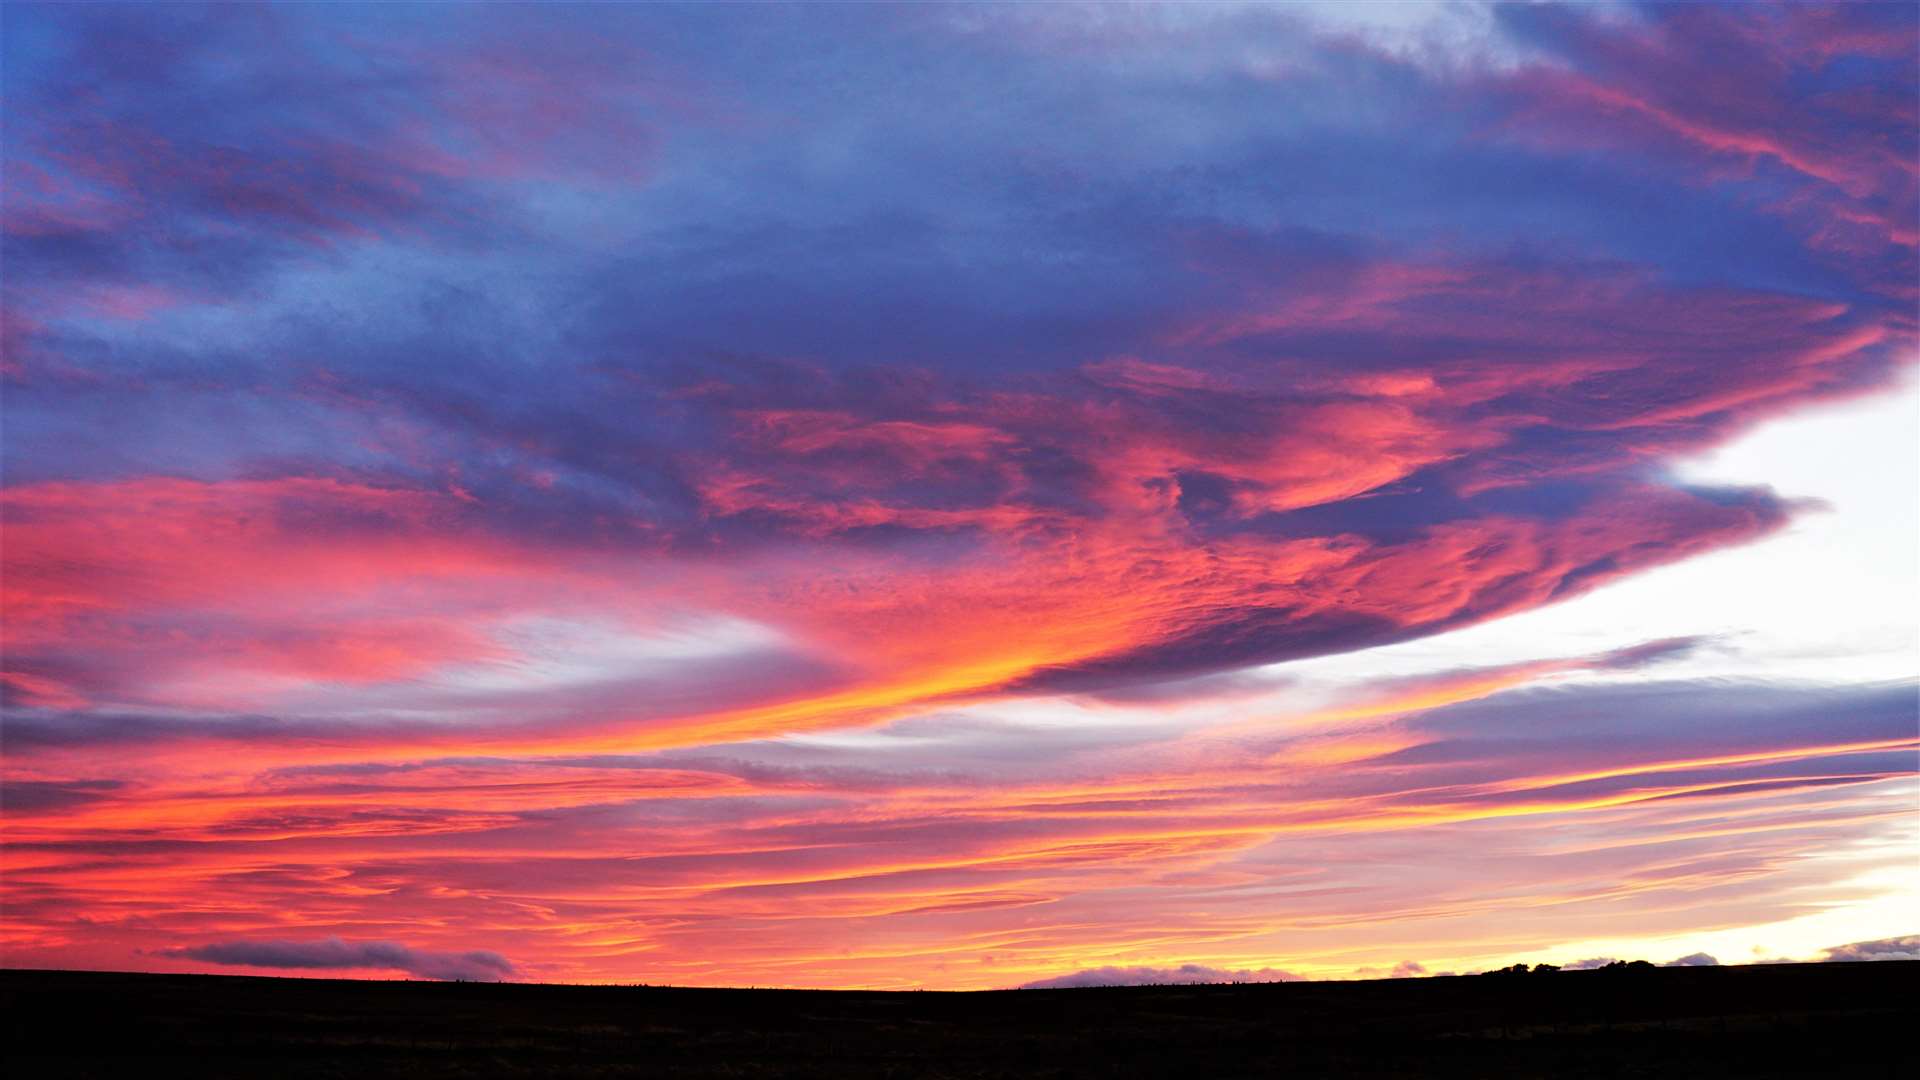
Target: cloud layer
812,498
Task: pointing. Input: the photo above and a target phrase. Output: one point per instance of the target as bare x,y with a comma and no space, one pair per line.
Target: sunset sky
958,496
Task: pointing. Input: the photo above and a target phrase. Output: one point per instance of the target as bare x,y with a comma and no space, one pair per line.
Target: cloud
1225,438
1698,959
1896,948
52,796
1407,969
1159,976
1635,657
652,489
1592,964
335,954
1672,720
934,829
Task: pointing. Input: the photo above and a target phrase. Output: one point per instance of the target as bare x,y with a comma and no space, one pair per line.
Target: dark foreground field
1839,1020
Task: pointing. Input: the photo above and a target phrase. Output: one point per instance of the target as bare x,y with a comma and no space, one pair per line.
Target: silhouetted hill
1785,1020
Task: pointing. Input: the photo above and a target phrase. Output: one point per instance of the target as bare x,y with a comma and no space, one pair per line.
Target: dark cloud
335,954
56,729
48,796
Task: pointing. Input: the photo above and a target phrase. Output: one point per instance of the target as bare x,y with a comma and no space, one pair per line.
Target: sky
958,496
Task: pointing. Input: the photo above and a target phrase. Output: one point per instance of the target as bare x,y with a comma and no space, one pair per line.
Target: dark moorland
1852,1020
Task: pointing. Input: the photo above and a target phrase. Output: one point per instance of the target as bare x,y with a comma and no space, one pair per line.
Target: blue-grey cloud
1698,959
1894,948
1592,964
43,796
1160,976
335,954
